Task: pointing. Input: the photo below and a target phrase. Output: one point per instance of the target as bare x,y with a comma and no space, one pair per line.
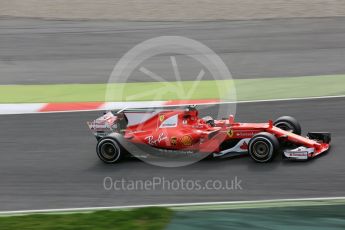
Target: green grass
301,214
247,89
330,217
143,218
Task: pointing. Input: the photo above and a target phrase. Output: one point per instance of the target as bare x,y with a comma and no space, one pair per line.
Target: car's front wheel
109,150
289,124
263,147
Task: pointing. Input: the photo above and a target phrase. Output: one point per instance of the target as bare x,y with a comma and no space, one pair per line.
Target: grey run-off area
166,10
35,51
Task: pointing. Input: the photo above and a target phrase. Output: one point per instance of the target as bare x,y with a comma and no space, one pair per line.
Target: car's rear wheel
109,150
263,147
289,124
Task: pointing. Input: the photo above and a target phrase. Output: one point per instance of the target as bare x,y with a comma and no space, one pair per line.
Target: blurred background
285,58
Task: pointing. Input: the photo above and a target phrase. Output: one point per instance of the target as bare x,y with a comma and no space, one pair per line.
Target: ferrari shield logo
161,118
173,141
230,133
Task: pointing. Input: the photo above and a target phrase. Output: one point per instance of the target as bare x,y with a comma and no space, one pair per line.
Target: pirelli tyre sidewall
263,147
109,150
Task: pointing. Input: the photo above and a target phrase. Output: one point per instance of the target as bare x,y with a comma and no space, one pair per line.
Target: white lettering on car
152,141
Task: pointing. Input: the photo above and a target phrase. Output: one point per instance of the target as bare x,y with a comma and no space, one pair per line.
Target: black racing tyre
263,147
109,150
288,123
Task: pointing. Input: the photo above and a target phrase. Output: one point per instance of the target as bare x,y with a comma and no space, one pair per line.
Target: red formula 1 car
182,130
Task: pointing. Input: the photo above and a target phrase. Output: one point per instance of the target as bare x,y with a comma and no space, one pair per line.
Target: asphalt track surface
35,51
49,161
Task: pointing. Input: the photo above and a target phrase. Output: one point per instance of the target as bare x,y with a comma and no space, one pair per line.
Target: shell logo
186,140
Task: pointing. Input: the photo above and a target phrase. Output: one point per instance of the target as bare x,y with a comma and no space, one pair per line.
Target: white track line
86,209
262,101
293,99
159,106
